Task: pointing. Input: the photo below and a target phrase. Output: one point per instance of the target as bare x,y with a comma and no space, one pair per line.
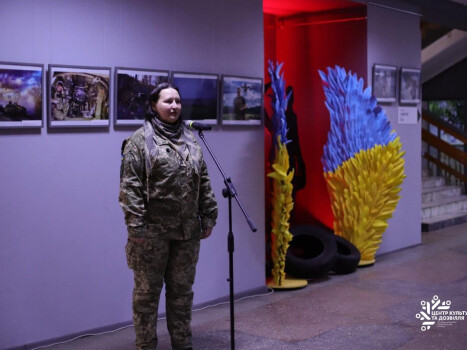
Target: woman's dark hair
154,96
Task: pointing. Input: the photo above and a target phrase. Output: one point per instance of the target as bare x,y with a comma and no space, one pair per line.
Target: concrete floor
373,308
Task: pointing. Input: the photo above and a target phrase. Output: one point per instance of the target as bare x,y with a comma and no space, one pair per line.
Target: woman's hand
206,233
137,240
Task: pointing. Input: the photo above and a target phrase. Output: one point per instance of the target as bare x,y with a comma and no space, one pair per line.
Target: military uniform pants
174,262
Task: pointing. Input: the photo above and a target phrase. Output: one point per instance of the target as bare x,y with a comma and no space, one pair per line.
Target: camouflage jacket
170,196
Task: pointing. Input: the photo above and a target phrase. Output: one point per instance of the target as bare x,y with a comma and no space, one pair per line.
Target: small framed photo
199,93
384,83
21,95
78,96
242,100
410,86
132,90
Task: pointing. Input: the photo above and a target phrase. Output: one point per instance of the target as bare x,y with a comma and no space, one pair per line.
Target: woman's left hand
206,233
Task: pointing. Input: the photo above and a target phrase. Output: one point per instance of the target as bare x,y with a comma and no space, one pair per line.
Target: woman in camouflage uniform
169,206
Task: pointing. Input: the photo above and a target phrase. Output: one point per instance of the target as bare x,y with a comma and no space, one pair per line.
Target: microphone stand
229,192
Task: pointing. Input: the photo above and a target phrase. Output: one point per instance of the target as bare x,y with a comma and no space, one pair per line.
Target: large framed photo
410,86
242,100
384,83
21,95
133,87
199,94
78,96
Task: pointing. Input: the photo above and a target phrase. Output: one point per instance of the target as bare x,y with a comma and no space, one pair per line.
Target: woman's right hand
137,240
206,233
136,253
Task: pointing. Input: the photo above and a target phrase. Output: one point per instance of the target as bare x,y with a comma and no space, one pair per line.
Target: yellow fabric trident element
282,205
364,192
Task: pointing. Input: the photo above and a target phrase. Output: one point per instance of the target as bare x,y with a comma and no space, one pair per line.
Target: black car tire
312,252
347,258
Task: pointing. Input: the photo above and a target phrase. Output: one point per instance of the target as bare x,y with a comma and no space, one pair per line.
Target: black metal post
231,249
229,192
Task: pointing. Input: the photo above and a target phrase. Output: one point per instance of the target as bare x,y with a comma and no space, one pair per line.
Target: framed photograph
21,95
384,83
410,86
78,96
199,93
242,100
132,90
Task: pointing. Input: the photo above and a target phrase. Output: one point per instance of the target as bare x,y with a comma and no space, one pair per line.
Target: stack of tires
315,251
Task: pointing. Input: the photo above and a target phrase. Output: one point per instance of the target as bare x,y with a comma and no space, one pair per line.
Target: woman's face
168,106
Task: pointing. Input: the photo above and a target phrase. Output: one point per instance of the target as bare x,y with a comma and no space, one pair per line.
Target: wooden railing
446,151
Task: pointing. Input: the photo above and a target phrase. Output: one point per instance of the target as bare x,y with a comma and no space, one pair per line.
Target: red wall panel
307,44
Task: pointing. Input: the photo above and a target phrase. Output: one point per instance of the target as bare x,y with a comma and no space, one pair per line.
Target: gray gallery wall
62,262
394,38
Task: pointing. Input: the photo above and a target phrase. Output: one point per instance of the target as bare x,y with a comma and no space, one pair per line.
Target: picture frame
78,96
132,89
241,100
410,86
21,95
385,83
199,93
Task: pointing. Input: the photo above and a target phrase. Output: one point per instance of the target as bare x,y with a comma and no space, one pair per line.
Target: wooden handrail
446,167
445,126
444,147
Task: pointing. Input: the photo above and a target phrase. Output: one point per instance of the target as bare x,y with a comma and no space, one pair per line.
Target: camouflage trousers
172,262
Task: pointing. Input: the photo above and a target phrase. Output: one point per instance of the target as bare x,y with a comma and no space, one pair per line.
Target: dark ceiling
446,13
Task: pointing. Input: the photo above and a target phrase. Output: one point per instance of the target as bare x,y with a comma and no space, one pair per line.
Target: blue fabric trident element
279,102
357,122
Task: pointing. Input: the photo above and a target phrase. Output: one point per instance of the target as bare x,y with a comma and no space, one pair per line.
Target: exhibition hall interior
334,136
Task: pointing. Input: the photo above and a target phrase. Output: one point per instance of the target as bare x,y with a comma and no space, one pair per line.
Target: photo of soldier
59,103
384,83
410,85
20,93
239,104
241,100
79,96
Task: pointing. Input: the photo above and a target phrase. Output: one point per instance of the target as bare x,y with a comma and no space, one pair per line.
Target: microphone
195,125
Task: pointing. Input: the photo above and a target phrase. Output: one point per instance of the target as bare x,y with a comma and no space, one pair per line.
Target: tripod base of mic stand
287,283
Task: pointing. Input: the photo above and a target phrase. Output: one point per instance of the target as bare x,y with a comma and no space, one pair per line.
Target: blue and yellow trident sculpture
362,161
